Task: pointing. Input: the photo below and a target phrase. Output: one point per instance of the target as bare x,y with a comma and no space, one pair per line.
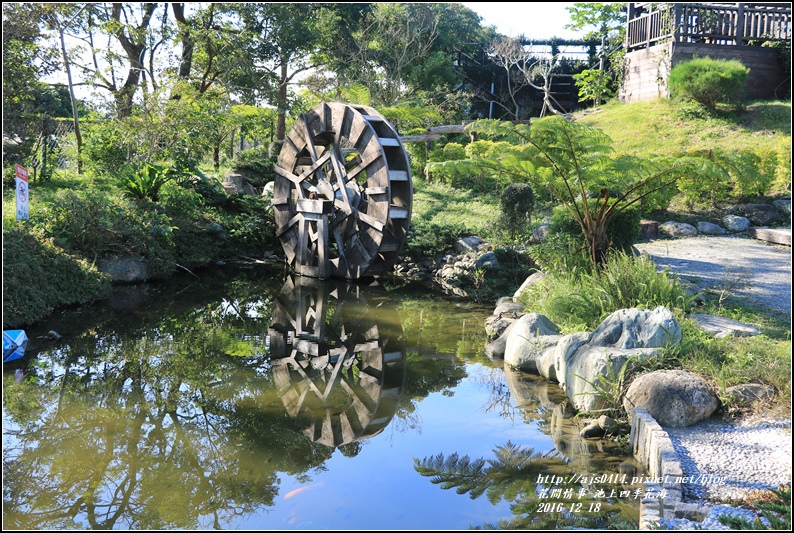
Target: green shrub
93,225
709,81
38,277
427,239
104,148
781,181
562,254
144,181
250,223
577,301
256,161
517,202
453,152
748,184
485,148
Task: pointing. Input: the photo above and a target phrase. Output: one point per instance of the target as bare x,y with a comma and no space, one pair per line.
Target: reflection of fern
511,474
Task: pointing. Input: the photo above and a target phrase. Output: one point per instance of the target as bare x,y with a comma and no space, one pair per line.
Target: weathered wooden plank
398,212
319,207
777,236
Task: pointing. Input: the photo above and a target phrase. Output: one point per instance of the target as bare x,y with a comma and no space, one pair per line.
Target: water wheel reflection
338,359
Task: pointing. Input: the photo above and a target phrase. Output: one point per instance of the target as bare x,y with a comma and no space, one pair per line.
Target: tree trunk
73,98
186,61
281,122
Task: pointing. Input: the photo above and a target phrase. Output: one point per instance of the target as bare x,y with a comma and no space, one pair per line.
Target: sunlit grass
665,127
444,205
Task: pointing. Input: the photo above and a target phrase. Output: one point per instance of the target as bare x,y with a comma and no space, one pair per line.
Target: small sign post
22,193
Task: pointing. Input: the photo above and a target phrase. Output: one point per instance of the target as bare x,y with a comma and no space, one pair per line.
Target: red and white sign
22,193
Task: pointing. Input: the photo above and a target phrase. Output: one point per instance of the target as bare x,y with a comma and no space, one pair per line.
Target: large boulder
505,313
586,363
783,207
487,261
678,230
471,243
675,398
531,337
638,328
761,214
533,278
236,183
709,228
736,223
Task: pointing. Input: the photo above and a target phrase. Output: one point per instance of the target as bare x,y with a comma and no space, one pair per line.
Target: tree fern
570,161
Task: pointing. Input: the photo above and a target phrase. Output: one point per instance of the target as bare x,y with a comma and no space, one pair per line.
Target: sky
536,20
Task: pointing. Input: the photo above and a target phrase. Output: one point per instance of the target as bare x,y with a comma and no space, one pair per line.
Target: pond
246,398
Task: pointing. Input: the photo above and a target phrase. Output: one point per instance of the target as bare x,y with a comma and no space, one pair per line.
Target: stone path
755,271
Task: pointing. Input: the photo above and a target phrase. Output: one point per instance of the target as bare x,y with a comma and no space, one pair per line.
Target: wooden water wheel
338,360
342,194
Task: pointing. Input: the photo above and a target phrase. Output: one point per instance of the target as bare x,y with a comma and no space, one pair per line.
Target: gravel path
755,271
750,455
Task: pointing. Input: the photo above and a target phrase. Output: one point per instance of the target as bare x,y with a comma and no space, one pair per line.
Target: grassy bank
77,221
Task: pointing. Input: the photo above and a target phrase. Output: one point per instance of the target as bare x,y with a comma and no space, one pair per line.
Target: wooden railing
737,24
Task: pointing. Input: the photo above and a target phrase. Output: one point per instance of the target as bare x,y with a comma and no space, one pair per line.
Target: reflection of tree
513,476
171,425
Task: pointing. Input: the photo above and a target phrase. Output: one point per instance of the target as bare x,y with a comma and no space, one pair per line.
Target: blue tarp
15,341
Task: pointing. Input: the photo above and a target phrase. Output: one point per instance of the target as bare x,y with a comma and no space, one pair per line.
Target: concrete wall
648,69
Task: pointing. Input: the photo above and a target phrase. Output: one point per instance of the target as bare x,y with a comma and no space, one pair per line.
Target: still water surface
249,399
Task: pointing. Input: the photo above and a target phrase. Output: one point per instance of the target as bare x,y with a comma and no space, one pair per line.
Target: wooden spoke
343,193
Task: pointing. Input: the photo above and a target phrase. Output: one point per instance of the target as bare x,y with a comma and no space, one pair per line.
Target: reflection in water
561,489
339,367
218,405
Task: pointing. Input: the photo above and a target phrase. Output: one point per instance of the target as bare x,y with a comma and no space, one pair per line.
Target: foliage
579,300
38,277
105,148
781,182
517,202
776,510
709,81
606,23
257,161
93,225
734,361
623,231
250,223
593,86
399,51
144,181
733,175
428,239
569,160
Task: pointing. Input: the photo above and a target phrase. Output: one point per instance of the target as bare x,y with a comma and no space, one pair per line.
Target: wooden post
740,25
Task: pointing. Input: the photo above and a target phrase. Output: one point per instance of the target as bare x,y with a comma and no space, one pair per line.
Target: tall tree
605,22
280,41
401,50
522,69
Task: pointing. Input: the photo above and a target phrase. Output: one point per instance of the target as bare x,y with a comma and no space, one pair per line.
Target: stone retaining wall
654,450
